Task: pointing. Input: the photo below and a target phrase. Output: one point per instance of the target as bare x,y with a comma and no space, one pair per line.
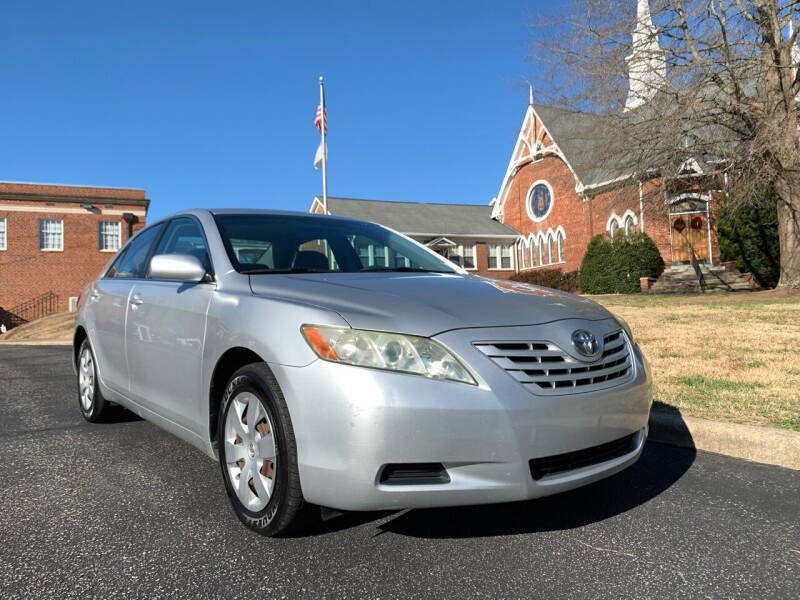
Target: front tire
93,406
258,454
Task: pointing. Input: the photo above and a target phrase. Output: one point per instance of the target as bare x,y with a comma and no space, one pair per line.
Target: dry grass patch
729,357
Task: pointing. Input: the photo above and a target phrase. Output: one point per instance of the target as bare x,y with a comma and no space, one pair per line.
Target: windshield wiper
402,270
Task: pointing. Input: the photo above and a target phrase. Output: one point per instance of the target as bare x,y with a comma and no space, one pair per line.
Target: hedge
749,237
552,278
615,266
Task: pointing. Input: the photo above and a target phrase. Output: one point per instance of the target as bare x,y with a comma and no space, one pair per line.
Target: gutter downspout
641,208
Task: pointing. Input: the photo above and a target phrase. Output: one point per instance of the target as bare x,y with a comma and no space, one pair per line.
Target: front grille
543,367
581,458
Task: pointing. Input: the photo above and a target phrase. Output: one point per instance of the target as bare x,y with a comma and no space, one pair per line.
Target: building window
523,251
500,257
541,251
561,247
534,254
540,201
51,234
467,256
614,228
2,233
551,248
110,236
493,256
629,225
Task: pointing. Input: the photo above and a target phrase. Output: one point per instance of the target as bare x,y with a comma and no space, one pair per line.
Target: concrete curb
760,444
35,343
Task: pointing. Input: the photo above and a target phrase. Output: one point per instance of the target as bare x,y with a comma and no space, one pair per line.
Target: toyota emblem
585,342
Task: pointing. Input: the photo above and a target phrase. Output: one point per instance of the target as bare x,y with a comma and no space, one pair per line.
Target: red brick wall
26,272
567,209
584,218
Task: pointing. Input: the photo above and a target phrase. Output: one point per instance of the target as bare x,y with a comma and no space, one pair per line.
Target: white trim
60,222
100,235
4,245
620,220
58,210
441,241
474,266
553,149
533,186
672,200
500,266
316,200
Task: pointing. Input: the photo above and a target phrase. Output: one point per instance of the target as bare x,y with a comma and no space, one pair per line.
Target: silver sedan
329,362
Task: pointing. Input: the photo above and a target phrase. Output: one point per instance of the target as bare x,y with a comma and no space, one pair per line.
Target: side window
132,263
184,236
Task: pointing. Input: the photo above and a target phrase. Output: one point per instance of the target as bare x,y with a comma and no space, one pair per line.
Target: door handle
136,300
94,295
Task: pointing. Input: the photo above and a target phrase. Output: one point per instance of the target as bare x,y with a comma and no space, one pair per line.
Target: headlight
624,324
390,351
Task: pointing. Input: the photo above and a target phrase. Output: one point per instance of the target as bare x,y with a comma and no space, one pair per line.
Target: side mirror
180,267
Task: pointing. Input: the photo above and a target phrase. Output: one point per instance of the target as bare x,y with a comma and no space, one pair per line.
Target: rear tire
258,454
91,403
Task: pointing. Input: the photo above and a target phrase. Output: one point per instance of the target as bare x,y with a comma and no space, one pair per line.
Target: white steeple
794,54
647,67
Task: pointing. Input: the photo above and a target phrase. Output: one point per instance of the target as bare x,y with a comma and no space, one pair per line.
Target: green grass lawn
730,357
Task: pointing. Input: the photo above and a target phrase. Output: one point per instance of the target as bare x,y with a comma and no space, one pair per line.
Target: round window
540,200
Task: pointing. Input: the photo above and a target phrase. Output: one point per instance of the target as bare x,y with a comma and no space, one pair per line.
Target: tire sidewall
91,414
247,380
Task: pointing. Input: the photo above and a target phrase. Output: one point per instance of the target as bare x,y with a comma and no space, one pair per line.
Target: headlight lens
624,324
390,351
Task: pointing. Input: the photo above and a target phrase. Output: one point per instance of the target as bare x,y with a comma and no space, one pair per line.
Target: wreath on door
679,224
697,223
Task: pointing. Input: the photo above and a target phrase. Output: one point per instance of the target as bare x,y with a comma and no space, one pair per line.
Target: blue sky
212,103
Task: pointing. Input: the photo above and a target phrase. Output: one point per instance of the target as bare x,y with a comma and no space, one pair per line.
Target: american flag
321,120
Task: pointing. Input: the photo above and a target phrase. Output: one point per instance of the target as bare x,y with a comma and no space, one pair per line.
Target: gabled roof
583,139
417,218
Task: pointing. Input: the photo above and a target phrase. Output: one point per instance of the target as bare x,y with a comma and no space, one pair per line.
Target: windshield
263,243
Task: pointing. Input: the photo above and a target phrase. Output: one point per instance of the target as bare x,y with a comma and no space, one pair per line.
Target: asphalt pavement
126,510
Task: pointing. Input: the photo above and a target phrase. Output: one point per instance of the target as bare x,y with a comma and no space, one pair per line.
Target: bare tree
713,81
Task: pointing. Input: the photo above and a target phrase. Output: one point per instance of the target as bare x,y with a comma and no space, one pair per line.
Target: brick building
56,238
561,189
464,233
564,184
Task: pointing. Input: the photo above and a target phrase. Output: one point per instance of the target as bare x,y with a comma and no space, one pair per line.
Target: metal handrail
696,266
31,310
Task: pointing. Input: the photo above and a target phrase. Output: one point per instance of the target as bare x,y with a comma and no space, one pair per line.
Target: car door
108,299
166,329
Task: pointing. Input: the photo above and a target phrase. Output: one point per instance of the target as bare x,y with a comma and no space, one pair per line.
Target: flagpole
324,148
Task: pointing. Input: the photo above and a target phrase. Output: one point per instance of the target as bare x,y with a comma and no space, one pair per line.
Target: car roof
259,211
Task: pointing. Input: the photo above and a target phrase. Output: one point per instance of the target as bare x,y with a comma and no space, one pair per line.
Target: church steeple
647,66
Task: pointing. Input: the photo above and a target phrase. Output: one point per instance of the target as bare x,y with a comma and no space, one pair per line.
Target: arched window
523,251
560,246
534,254
613,228
551,248
542,252
629,225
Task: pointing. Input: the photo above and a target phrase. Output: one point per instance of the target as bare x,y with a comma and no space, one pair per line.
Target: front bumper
350,421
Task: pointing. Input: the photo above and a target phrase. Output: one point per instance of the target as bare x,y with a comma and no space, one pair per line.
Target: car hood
426,303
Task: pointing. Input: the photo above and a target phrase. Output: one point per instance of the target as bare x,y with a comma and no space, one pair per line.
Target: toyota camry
329,362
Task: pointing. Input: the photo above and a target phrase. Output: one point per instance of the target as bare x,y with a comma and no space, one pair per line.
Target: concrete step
683,280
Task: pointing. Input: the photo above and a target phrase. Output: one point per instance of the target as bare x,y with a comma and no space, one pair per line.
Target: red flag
321,120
